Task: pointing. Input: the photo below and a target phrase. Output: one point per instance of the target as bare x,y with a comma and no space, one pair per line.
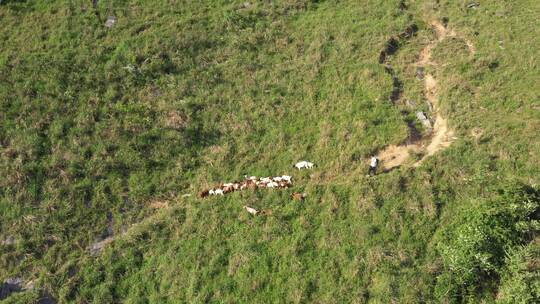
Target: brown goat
297,196
204,193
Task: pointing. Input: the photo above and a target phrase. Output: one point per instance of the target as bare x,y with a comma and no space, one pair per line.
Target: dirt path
441,136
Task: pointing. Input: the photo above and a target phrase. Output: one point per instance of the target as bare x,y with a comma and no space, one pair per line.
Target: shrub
474,245
520,279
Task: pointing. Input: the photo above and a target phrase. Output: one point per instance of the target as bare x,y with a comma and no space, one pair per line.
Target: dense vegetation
100,125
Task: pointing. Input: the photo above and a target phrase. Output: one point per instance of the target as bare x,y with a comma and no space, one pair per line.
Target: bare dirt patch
394,156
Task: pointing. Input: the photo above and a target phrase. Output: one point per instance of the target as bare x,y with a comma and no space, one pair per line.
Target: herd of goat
253,182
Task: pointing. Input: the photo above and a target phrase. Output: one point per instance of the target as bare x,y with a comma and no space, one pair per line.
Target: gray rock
423,119
10,240
421,116
111,21
10,286
420,73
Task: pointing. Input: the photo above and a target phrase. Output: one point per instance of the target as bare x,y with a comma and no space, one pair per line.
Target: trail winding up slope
442,135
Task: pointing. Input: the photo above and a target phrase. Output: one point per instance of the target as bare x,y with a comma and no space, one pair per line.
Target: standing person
373,165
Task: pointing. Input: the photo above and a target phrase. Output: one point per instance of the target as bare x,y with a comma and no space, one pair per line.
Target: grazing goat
251,210
297,196
204,193
252,182
266,179
272,185
303,165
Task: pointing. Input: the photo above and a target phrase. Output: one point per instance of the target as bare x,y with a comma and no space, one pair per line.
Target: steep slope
107,127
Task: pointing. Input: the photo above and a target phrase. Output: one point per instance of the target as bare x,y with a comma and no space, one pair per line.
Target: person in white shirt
373,166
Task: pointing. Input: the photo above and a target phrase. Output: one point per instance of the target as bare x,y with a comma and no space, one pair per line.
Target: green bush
473,247
520,279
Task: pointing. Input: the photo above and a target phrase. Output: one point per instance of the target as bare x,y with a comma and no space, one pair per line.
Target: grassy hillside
103,130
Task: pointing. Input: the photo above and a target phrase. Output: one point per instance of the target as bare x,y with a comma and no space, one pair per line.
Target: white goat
211,192
303,165
286,178
251,210
266,179
218,192
272,185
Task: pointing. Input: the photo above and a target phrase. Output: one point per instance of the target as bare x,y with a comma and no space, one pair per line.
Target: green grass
97,123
